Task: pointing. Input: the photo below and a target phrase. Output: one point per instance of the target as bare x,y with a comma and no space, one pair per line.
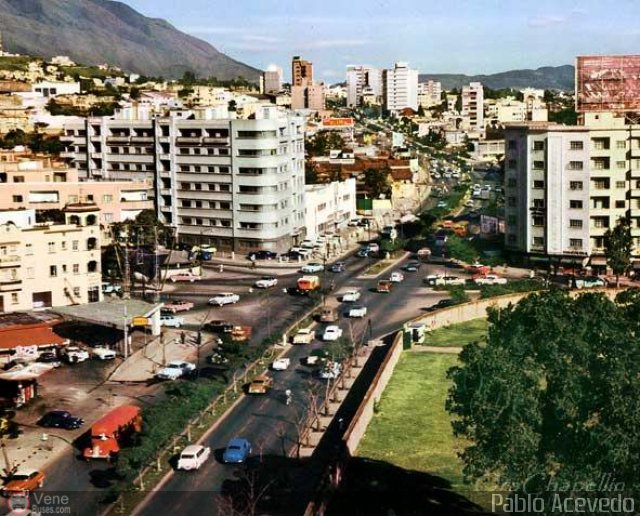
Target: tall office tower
400,88
301,72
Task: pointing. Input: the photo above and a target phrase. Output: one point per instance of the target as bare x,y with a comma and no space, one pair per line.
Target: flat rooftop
110,313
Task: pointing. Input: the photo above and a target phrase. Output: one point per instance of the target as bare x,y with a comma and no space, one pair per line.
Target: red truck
108,433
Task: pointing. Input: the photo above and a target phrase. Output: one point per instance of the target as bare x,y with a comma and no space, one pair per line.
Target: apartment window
73,199
575,185
538,203
575,243
198,204
14,298
224,188
223,170
198,186
17,198
74,245
64,269
512,163
538,146
18,179
538,220
225,205
108,217
28,249
619,204
76,291
620,184
63,245
185,186
600,163
538,241
512,144
575,223
576,145
52,247
53,271
107,198
600,222
601,184
600,143
538,185
575,205
576,165
538,165
621,165
76,268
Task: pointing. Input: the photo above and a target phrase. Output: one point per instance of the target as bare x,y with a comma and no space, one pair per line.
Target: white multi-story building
329,206
400,88
429,94
473,107
362,81
565,186
271,80
235,184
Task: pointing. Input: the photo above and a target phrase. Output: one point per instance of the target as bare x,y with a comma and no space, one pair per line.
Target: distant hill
547,77
99,31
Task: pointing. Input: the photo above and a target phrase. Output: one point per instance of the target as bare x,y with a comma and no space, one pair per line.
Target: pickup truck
304,336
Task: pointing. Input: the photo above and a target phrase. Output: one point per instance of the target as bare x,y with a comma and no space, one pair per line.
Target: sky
445,36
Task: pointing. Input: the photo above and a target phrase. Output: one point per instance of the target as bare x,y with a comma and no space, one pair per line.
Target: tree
420,110
553,397
376,182
618,244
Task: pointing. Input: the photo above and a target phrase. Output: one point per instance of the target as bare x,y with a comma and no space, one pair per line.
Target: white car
396,277
491,279
330,371
104,353
75,354
304,336
353,223
266,282
307,244
453,280
224,298
281,364
374,248
193,456
171,321
350,296
175,369
357,311
332,332
312,267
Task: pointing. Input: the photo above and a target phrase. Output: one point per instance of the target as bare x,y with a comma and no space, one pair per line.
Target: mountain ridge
98,31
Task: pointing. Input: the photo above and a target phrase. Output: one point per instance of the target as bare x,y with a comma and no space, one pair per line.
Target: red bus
108,432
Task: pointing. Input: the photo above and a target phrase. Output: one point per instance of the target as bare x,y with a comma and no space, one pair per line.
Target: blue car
237,451
337,267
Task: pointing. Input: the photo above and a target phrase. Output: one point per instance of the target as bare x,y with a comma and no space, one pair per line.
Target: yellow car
260,384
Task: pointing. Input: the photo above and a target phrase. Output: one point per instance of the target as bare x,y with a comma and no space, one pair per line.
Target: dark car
218,327
61,419
443,303
262,255
49,357
412,266
337,267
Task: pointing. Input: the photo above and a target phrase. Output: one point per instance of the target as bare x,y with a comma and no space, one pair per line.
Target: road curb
386,269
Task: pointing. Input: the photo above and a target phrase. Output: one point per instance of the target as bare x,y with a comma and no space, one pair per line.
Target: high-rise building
236,184
473,106
361,81
301,72
429,94
400,88
271,80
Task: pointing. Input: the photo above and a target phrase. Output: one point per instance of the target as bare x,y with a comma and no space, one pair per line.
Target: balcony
10,260
10,285
142,139
190,140
207,140
118,139
634,153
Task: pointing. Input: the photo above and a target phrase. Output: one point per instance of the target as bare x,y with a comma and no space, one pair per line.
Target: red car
177,306
187,276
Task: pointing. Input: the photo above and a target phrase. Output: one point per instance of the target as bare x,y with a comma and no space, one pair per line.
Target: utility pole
126,332
156,268
126,285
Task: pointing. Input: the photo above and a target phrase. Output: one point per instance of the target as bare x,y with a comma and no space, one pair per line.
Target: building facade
329,206
429,94
400,88
363,82
473,106
47,265
271,80
235,184
301,72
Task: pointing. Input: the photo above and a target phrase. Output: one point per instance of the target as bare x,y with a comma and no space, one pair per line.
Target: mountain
547,77
104,31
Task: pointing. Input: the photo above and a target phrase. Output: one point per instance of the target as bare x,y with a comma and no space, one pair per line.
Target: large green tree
377,183
618,244
553,397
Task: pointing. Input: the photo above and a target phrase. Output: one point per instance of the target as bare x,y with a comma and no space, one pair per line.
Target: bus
109,432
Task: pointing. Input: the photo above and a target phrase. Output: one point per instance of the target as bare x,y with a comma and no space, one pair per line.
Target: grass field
458,334
412,429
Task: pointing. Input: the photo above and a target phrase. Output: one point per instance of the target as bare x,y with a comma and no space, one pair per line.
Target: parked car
171,321
224,298
312,267
412,266
266,282
330,371
261,384
328,314
110,288
443,303
237,451
185,276
307,244
589,282
60,419
351,296
218,326
353,223
396,277
103,353
281,364
490,279
177,305
332,332
304,336
75,354
175,369
23,481
49,357
193,456
262,255
357,311
337,267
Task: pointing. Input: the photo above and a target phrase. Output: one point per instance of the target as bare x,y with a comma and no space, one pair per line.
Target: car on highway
260,384
357,311
262,255
224,298
312,267
75,354
281,364
443,303
266,282
186,276
588,282
193,456
49,357
439,280
24,480
332,332
363,252
175,369
337,267
412,266
237,451
103,353
490,279
304,336
218,326
396,277
329,371
177,305
171,320
317,357
351,296
374,248
60,419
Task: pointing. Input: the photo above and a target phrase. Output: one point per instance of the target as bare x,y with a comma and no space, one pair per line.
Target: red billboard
337,122
608,83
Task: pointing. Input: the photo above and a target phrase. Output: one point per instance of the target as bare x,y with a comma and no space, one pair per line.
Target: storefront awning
11,338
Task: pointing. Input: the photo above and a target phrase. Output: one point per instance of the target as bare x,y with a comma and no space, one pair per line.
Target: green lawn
458,334
412,430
